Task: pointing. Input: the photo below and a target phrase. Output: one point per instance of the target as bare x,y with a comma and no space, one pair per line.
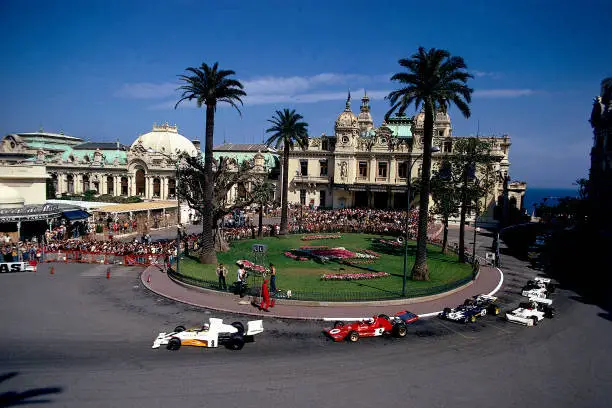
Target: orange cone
108,273
149,278
52,271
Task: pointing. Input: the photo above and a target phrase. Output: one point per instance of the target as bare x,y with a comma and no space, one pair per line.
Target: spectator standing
272,278
221,274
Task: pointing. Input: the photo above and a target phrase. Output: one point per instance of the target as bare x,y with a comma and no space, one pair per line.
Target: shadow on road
27,397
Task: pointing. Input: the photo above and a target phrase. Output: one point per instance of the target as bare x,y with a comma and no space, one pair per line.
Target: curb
304,318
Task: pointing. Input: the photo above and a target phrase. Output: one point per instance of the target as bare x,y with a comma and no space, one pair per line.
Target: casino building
361,165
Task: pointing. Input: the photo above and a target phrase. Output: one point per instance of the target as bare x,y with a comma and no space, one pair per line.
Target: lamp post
178,219
409,165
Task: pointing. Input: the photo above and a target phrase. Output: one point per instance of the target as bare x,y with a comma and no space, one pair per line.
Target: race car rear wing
540,300
254,327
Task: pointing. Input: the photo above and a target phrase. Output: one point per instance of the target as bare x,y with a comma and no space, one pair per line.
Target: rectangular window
402,169
323,164
304,167
363,169
447,146
322,198
303,197
324,144
382,169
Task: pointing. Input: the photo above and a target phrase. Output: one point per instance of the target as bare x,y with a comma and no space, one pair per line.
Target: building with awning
33,220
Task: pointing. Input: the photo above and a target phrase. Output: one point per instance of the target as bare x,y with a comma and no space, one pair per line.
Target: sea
536,195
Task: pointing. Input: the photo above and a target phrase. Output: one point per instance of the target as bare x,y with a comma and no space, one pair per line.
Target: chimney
196,143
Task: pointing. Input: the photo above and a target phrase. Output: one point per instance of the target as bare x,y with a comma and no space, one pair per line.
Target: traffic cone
52,271
149,278
108,273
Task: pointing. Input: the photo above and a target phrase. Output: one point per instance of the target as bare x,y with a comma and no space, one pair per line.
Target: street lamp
178,218
409,166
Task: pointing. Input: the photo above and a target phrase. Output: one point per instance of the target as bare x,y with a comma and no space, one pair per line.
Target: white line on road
424,315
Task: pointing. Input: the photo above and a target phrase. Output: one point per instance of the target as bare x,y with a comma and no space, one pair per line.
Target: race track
77,339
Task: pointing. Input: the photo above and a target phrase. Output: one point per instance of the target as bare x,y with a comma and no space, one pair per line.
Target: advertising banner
12,267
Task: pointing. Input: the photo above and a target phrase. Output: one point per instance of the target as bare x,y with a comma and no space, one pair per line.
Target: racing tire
174,344
534,320
353,336
549,312
467,302
338,325
400,330
383,316
551,287
446,310
494,310
179,329
236,342
473,319
239,326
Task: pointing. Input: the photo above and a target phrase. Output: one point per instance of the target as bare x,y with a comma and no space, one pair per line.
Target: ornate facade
600,177
366,166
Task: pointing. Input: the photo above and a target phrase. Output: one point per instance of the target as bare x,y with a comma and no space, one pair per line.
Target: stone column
373,170
78,183
392,170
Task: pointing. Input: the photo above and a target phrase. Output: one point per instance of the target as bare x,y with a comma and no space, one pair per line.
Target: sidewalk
489,280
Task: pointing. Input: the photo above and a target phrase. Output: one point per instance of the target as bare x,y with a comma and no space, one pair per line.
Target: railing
328,295
104,258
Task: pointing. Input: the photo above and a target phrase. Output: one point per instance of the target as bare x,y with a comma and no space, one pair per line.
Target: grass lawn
303,278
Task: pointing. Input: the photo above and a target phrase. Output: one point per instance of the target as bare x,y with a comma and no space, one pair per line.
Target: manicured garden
328,267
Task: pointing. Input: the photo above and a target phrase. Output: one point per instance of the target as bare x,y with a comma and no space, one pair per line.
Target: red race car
376,326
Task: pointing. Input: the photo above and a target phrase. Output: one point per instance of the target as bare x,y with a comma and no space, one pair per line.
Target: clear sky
103,70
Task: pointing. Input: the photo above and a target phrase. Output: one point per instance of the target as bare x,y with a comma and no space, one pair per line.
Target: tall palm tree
433,81
209,85
287,130
263,193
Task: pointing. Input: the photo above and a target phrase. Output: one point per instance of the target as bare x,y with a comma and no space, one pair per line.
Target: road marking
501,281
424,315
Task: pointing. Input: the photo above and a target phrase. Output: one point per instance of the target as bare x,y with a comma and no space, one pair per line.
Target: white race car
538,287
530,313
212,334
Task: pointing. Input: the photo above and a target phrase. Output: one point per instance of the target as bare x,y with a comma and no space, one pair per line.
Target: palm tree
287,130
209,85
263,193
434,80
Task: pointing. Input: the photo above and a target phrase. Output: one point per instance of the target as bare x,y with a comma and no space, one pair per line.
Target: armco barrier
104,258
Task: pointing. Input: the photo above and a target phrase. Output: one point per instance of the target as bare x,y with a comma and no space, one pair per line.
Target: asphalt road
77,339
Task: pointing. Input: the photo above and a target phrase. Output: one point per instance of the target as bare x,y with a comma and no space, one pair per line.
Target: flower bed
315,237
359,261
308,247
353,276
250,266
288,254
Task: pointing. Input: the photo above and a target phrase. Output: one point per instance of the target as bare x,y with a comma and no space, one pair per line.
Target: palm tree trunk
462,219
445,237
420,271
208,255
284,227
260,230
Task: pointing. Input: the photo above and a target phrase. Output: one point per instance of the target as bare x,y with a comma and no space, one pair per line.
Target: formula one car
376,326
530,313
212,334
472,308
538,287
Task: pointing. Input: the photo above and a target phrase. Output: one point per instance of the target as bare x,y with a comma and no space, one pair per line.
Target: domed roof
347,118
166,139
10,197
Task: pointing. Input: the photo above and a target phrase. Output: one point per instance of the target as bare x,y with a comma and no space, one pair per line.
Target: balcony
311,178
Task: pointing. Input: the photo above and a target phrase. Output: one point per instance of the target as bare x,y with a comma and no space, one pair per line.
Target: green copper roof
401,126
270,160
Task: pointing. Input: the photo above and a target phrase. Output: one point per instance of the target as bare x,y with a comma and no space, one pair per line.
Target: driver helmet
205,327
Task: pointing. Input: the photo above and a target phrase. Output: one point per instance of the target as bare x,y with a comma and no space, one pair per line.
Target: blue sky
103,70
